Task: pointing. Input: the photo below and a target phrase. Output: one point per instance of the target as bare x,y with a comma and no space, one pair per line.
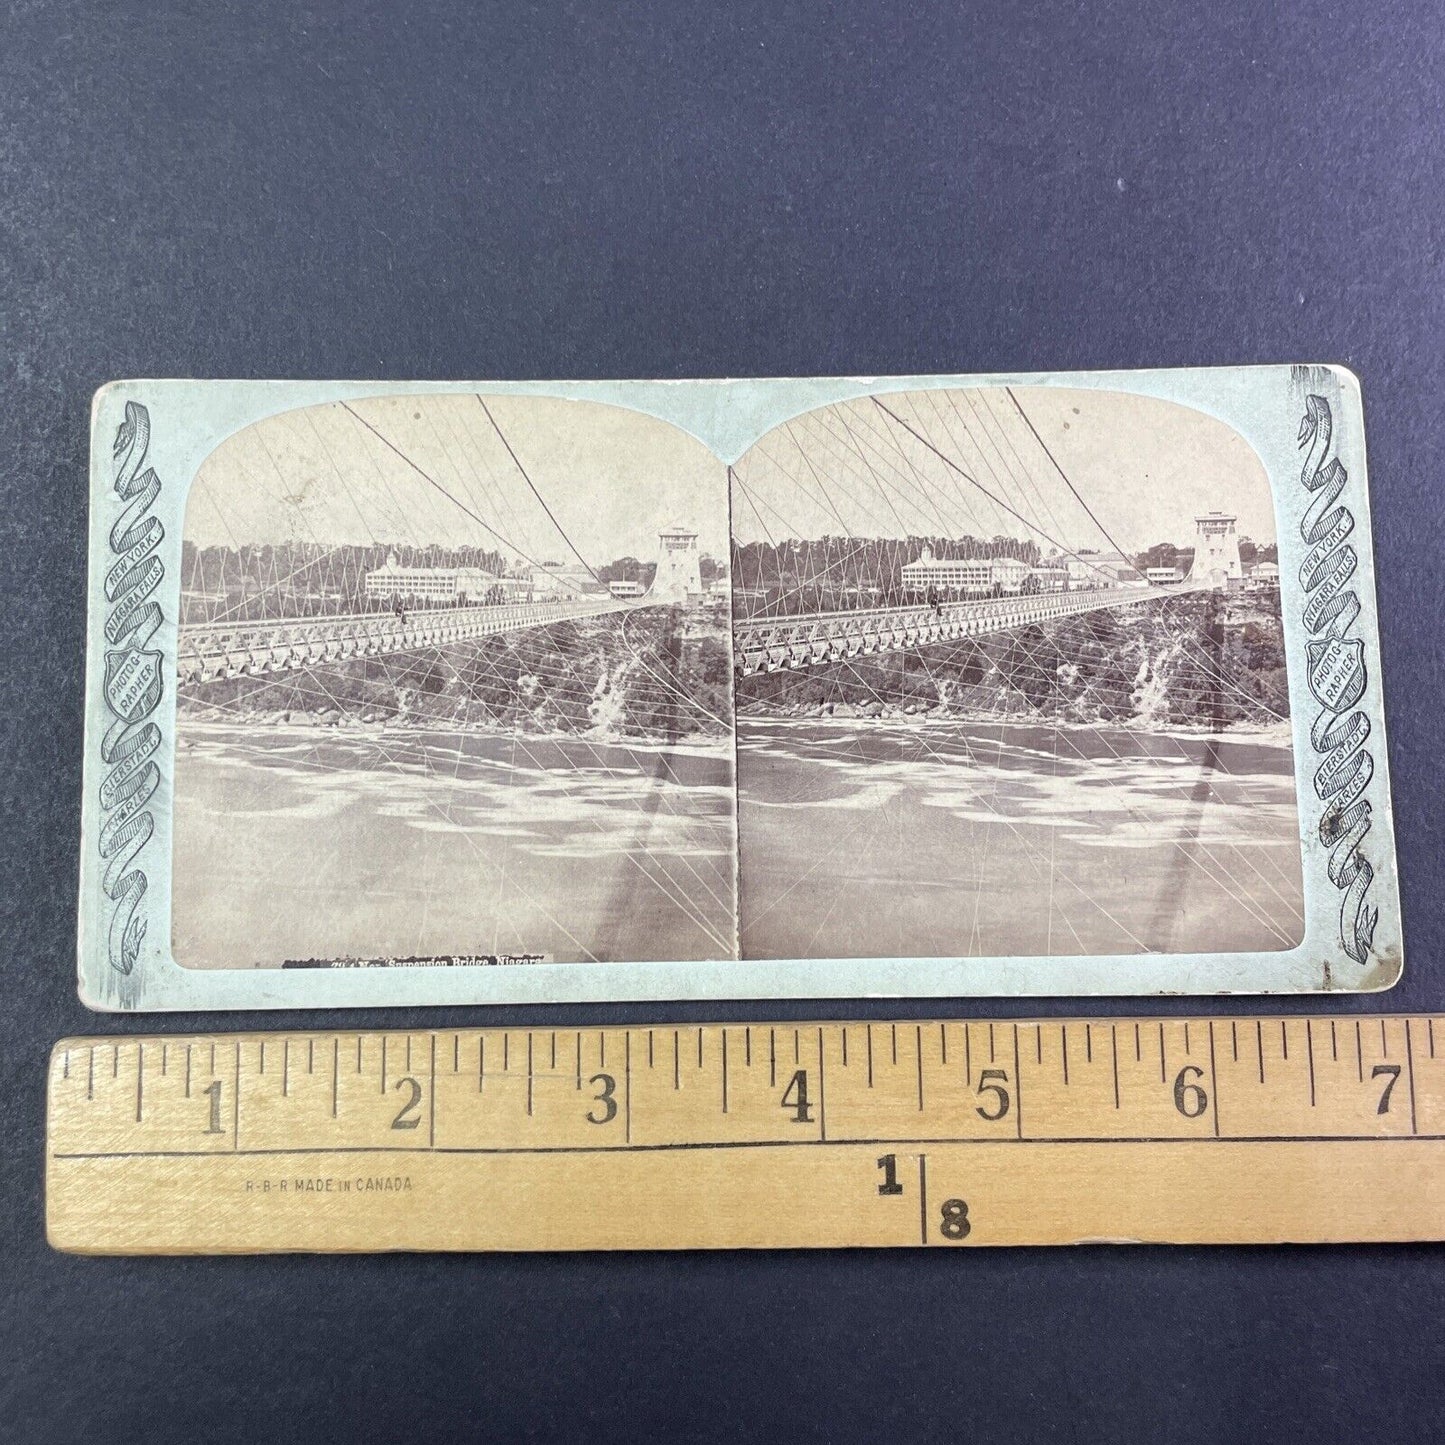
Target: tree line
301,579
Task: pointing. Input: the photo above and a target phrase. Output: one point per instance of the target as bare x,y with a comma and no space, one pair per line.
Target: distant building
1009,573
1050,577
963,576
1263,574
624,588
543,578
1102,569
1163,575
436,585
557,581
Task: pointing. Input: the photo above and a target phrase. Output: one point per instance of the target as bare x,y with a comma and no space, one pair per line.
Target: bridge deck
209,651
772,644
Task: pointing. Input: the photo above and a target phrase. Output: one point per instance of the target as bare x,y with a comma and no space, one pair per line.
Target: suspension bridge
215,651
774,644
209,652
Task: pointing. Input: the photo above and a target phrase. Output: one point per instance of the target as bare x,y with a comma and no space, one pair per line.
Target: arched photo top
537,482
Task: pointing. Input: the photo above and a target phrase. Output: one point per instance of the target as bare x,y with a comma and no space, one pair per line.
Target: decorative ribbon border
1337,677
133,685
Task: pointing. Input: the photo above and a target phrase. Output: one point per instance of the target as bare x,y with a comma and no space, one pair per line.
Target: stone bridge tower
679,574
1216,551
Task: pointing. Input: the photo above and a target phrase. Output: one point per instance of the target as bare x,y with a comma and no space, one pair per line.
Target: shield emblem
132,683
1336,671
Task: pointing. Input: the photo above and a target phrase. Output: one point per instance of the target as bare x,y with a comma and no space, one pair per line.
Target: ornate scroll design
1337,677
132,686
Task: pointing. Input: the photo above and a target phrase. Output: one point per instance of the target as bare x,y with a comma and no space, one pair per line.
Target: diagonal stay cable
516,461
1062,473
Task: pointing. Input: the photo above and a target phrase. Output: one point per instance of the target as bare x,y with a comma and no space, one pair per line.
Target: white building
1163,576
624,587
1009,573
1102,569
1051,577
558,581
433,585
959,576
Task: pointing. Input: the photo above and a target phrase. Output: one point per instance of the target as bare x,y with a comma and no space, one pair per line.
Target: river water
946,838
858,838
297,843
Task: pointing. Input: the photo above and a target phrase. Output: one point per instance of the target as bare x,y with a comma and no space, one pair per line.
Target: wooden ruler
723,1136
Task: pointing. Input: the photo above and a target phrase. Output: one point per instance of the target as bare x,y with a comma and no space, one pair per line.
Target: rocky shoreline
860,710
1277,732
376,723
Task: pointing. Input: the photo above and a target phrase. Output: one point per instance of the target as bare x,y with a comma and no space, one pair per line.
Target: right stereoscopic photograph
1010,681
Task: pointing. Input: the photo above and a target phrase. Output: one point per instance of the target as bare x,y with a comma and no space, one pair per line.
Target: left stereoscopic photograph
453,685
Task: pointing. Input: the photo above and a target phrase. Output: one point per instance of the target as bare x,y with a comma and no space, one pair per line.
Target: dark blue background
589,190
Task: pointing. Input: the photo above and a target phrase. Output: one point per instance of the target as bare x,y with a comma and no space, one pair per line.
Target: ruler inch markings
891,1140
1134,1159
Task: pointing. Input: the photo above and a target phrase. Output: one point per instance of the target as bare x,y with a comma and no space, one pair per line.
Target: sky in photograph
1143,467
434,469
